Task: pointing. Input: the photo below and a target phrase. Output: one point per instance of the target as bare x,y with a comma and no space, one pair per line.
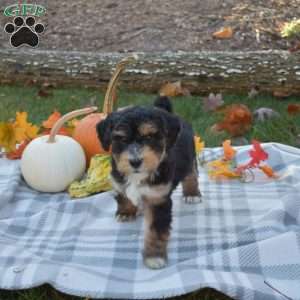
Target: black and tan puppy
152,151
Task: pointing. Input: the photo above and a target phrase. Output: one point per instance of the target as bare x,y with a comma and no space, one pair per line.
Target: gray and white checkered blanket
243,240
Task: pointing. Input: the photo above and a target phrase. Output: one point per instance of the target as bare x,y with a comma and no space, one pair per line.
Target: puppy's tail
164,103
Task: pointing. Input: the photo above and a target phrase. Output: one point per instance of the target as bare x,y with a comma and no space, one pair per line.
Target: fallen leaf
199,145
8,137
173,89
17,131
257,154
17,154
223,33
237,120
281,94
53,118
212,102
268,171
49,123
221,169
229,152
293,109
44,92
47,85
30,131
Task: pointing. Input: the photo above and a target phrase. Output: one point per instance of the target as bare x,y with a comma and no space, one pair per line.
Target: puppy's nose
135,162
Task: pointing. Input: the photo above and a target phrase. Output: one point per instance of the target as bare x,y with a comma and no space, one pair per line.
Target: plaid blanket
243,240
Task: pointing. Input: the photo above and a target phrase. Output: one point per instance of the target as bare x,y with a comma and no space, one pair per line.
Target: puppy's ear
104,130
173,126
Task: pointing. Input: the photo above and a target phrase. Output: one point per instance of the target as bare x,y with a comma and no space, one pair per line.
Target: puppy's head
139,138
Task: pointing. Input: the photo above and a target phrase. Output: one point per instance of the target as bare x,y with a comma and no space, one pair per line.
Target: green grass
18,98
282,130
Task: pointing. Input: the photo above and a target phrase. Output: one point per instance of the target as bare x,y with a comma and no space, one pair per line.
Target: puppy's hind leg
191,192
126,209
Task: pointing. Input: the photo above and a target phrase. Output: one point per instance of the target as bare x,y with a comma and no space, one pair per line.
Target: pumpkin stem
60,122
108,99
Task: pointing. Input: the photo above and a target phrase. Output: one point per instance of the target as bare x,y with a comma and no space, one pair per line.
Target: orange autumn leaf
17,154
268,171
229,152
173,89
223,33
52,119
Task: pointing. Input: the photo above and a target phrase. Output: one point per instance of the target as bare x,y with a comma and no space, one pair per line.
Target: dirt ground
154,25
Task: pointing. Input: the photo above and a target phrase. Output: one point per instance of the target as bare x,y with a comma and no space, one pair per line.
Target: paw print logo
24,32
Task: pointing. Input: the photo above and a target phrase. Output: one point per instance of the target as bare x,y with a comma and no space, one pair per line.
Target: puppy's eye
120,138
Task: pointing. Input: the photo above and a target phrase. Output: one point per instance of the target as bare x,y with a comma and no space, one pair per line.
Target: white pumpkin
51,162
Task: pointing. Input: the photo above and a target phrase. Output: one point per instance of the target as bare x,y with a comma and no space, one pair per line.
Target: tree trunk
200,72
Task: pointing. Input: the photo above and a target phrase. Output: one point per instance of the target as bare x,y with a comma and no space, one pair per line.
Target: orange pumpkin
85,132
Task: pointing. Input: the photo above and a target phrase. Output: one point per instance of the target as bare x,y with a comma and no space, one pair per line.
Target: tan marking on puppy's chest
137,189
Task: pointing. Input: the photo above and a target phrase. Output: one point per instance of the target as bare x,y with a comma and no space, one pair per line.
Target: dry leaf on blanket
229,152
268,171
221,169
199,145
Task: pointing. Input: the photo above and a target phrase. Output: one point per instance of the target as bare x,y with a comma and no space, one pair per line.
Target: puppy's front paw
192,199
155,262
125,217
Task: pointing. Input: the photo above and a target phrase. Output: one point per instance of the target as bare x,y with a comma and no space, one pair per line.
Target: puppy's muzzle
135,158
